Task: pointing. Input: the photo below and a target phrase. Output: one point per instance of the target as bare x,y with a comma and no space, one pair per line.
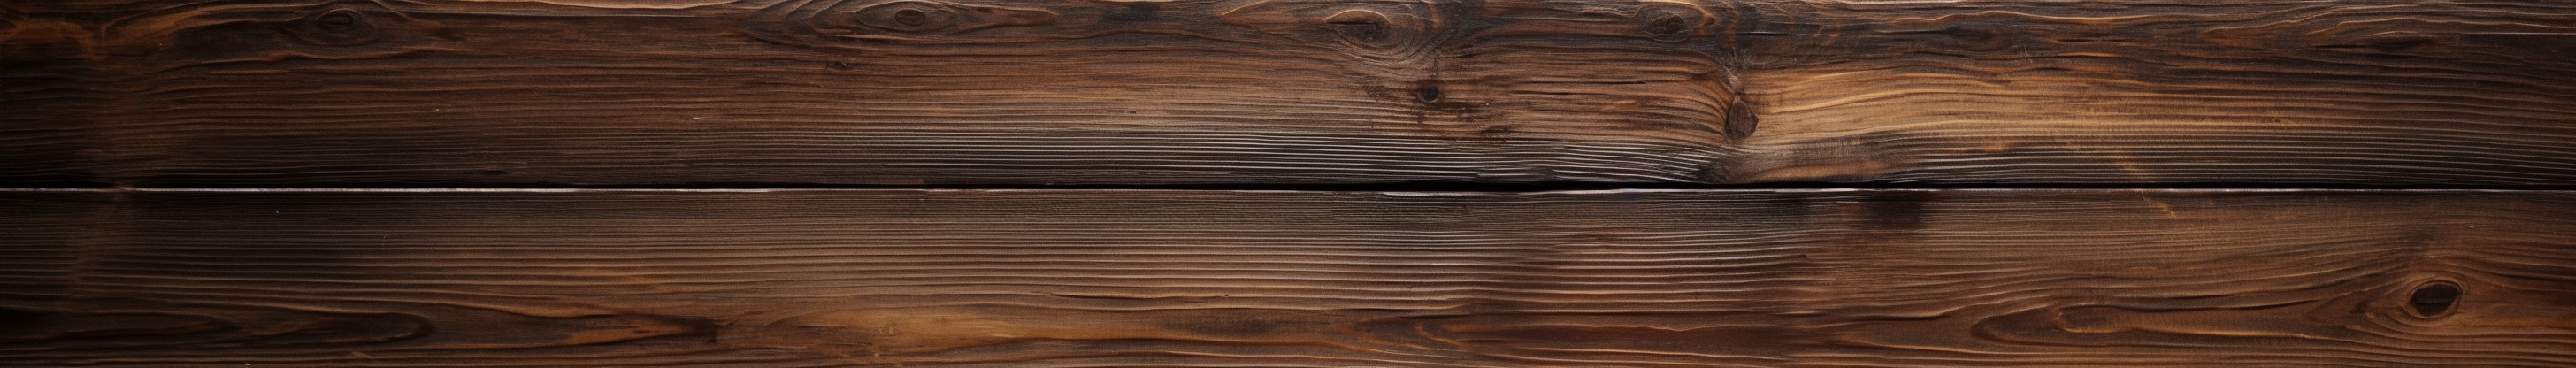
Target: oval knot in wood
1381,31
336,27
1361,27
2433,299
1672,21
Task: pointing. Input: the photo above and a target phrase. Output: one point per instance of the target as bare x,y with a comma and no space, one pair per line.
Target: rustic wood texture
830,92
915,278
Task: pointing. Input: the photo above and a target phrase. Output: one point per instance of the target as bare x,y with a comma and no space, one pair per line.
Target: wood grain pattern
1893,278
2447,92
833,92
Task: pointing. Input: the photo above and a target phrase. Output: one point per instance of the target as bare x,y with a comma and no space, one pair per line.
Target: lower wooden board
1126,278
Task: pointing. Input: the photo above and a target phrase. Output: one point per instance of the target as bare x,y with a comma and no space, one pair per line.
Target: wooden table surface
1277,183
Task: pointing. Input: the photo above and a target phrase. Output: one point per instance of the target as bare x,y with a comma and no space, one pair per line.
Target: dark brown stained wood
36,263
917,278
829,92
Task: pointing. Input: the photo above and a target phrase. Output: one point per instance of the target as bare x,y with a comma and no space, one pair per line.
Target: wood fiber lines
850,92
1893,278
1051,183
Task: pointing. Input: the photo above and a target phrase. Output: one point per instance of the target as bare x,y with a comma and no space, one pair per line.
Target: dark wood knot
336,27
1362,27
2433,299
908,16
1380,30
1672,21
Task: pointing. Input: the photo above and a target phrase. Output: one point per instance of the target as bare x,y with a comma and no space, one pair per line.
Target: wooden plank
36,263
1789,278
2241,91
832,92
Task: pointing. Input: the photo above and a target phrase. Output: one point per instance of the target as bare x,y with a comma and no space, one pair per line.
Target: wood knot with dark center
336,27
337,22
908,16
911,17
1361,27
1666,24
1671,21
2433,299
1380,32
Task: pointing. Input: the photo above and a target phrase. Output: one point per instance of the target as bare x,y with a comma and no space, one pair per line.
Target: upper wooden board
826,92
1092,278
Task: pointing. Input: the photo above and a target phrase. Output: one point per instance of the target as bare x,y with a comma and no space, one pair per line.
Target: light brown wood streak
1907,278
501,93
